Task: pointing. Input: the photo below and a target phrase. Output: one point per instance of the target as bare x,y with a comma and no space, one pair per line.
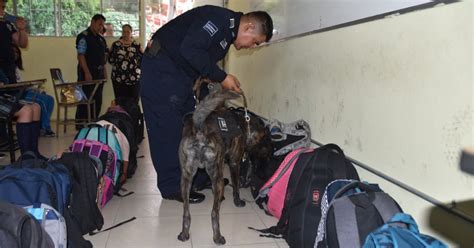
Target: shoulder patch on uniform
81,46
223,44
211,28
10,27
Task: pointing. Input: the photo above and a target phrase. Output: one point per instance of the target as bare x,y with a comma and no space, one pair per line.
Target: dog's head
258,144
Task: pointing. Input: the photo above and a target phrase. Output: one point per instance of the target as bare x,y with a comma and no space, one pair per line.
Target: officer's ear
249,27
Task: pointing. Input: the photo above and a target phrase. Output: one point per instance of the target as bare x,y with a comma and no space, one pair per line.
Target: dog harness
228,125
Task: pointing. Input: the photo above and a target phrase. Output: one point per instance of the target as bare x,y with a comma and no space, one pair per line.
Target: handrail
452,210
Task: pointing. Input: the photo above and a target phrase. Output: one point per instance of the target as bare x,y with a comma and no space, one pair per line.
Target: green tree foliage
117,19
71,16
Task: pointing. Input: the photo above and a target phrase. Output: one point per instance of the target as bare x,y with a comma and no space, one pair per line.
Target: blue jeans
46,103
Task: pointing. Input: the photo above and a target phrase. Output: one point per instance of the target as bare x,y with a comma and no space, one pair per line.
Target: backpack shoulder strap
346,222
386,206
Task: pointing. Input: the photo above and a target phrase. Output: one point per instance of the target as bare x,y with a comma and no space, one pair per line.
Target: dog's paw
219,240
183,236
239,203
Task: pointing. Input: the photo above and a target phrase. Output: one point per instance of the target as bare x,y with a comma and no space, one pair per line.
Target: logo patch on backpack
222,124
316,197
211,28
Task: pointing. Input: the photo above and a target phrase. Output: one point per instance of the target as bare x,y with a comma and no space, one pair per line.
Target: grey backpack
52,222
18,229
350,211
287,137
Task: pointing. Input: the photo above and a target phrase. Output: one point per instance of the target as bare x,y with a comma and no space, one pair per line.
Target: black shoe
47,133
208,185
194,197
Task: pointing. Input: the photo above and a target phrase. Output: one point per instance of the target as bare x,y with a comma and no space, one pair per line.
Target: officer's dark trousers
81,111
166,95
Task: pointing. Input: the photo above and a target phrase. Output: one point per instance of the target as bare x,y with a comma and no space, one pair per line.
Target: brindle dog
203,146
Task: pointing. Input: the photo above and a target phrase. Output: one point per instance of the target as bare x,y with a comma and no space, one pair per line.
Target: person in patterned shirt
125,57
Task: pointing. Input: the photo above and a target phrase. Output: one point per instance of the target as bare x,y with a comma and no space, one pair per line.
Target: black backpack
302,207
83,207
133,109
18,229
123,122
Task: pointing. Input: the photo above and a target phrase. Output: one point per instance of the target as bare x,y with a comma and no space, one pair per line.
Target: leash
246,113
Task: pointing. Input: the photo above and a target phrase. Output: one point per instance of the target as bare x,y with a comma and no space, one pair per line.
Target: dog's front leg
187,174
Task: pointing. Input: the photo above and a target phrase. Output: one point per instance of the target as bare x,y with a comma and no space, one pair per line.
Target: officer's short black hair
265,21
97,17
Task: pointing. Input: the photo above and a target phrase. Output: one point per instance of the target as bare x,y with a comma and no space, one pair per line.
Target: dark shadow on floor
453,228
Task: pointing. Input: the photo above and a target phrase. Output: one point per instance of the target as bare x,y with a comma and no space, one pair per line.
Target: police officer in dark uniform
91,54
185,48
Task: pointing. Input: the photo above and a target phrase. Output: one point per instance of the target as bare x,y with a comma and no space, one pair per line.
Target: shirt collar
234,23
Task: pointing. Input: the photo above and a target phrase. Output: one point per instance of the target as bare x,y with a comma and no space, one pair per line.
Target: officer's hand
88,77
231,83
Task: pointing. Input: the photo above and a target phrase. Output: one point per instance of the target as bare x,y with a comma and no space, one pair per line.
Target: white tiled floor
159,221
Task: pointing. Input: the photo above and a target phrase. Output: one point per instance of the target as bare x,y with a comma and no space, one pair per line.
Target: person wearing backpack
184,49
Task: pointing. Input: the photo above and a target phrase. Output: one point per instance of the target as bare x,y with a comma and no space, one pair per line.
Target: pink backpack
275,188
109,161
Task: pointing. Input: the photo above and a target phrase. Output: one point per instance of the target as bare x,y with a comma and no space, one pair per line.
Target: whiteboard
295,17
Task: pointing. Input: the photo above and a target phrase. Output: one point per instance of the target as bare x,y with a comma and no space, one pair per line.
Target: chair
11,144
58,85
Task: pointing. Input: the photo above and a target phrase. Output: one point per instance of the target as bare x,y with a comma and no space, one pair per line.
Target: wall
396,93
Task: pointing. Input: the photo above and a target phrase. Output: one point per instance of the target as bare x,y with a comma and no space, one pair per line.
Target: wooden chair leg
89,113
58,120
65,119
93,109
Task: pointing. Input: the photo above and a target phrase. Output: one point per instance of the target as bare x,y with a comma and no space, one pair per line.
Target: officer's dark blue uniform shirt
94,48
199,38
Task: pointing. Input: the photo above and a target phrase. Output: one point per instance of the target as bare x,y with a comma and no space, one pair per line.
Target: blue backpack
395,236
32,181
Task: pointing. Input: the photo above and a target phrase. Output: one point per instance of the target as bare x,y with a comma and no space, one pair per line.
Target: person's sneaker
47,133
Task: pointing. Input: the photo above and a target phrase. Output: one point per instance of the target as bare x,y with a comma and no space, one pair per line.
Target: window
159,12
120,12
69,17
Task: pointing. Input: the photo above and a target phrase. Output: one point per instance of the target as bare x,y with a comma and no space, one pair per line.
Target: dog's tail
214,100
